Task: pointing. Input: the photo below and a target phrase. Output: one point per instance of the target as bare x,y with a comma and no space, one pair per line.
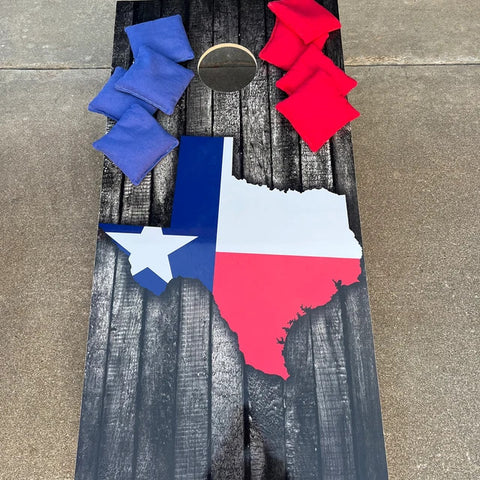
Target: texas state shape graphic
264,254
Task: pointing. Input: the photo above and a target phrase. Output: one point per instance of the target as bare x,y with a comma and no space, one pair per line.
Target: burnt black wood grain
368,443
226,106
285,143
118,447
227,430
93,390
267,425
198,96
193,413
167,393
163,176
256,145
227,381
332,392
155,419
302,422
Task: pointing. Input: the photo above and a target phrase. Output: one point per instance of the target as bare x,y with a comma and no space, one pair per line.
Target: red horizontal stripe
258,295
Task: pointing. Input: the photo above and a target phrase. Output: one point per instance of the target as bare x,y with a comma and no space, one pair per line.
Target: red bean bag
309,62
317,110
308,19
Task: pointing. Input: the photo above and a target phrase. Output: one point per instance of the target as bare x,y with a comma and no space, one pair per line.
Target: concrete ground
418,67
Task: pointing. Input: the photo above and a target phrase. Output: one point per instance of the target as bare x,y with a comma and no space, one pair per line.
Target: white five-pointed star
150,249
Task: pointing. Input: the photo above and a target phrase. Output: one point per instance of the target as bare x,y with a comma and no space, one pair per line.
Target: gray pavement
418,179
50,211
56,34
410,31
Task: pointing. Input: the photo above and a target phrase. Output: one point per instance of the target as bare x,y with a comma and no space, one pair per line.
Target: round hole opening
227,67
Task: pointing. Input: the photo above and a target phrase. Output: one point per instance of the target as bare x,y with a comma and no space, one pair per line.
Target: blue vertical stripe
195,207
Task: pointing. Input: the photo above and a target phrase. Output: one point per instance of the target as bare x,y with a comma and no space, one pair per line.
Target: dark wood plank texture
157,386
227,120
302,423
227,401
193,404
257,165
332,391
167,393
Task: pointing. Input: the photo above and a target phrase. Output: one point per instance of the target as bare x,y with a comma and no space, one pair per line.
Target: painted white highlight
255,219
151,248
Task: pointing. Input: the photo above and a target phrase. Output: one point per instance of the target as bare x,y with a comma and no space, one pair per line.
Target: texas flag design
264,254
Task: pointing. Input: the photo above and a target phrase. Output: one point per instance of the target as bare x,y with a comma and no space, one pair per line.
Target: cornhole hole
170,391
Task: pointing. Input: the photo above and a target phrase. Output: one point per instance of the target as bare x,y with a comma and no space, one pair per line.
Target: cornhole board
167,393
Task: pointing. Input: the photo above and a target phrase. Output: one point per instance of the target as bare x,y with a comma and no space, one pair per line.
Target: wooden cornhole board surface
167,394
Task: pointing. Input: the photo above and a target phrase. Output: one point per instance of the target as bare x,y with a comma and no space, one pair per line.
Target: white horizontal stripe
254,219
